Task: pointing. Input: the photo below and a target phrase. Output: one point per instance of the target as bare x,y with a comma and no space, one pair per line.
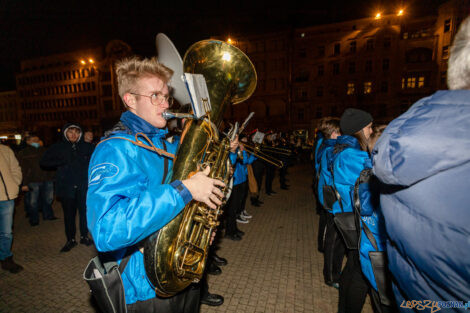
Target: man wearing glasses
128,196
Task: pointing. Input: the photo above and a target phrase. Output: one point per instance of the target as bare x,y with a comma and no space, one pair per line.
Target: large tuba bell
176,255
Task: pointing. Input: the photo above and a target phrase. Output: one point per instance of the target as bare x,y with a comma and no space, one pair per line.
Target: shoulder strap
363,177
140,143
123,263
165,162
4,186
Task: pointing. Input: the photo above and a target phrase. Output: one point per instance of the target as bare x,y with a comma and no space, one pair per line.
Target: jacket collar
137,124
349,141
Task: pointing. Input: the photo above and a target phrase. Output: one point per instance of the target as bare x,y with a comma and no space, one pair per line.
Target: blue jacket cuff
182,190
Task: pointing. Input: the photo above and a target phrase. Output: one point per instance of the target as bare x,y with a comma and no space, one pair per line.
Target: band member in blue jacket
128,196
329,238
350,155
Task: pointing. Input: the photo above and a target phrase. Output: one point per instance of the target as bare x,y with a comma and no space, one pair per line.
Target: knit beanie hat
353,120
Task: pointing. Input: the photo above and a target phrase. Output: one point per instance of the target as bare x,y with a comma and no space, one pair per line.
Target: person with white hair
423,161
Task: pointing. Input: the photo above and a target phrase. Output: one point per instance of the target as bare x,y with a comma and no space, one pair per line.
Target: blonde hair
130,70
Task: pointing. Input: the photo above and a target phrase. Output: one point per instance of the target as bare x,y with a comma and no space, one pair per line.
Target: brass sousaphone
175,256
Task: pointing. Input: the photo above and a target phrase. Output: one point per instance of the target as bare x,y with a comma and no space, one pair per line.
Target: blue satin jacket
423,157
127,201
240,175
325,177
347,166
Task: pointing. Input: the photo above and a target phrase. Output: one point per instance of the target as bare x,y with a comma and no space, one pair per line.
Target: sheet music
199,94
258,137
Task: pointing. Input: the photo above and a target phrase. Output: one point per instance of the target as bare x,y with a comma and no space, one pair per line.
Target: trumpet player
128,197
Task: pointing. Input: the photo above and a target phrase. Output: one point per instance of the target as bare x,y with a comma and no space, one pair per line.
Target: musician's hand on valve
234,145
205,189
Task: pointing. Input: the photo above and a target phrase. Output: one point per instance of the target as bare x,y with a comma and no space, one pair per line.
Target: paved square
275,268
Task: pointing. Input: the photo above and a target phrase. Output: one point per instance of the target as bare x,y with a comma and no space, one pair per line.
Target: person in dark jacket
423,159
38,183
71,157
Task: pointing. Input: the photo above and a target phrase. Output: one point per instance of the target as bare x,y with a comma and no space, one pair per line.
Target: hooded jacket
71,161
423,157
10,174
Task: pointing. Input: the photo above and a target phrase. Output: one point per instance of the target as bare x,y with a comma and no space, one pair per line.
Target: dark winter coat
71,161
29,159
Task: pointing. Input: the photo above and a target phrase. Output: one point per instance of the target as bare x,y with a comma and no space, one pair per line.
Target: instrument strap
363,177
123,263
165,162
142,144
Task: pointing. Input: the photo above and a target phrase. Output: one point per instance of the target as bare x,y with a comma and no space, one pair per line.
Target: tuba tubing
175,256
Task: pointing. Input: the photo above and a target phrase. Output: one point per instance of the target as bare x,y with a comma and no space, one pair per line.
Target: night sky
34,28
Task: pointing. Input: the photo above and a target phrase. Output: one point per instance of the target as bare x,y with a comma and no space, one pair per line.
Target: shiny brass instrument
175,256
276,150
255,150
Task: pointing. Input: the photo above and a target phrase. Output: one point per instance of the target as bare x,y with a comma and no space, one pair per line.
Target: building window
319,111
446,25
319,91
368,66
370,44
367,88
300,114
302,77
384,87
352,67
302,53
387,42
421,82
351,89
321,70
321,51
385,64
445,52
352,47
335,68
337,49
411,82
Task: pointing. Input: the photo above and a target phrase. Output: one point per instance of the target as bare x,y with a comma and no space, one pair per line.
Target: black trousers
270,169
353,286
321,228
283,173
334,251
186,301
244,195
258,171
232,208
71,205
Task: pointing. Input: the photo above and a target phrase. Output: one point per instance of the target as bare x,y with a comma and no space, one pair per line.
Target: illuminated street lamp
83,62
91,61
229,41
400,12
378,16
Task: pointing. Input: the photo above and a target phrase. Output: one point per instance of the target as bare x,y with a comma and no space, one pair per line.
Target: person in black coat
70,156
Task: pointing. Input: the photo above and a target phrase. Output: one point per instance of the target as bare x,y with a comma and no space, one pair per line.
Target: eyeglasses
157,98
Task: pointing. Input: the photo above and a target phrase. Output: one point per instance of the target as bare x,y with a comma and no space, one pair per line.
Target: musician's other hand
205,189
241,146
234,145
25,188
214,232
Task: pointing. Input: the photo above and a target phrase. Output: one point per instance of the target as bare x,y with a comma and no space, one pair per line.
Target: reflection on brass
175,256
256,151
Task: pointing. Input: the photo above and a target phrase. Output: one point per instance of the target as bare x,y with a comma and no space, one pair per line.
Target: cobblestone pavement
275,268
